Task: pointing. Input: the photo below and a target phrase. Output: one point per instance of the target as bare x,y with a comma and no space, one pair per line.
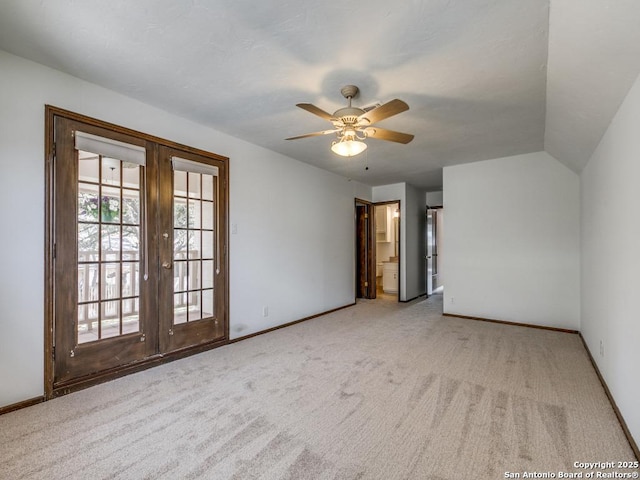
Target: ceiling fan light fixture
348,147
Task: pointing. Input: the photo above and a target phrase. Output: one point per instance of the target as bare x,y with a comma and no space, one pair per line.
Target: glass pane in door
193,246
108,247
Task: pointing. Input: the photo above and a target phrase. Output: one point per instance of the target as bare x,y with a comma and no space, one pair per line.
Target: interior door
435,265
365,252
362,273
430,242
192,249
100,272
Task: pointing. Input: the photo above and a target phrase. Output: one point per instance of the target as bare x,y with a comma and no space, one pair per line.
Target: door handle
167,265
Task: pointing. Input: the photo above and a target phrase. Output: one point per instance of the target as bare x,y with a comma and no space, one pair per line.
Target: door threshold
80,383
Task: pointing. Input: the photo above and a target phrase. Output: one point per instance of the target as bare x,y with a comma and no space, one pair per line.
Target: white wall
610,194
294,250
434,199
512,241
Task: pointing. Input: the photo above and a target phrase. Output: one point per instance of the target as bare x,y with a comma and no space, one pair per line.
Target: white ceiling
474,72
594,58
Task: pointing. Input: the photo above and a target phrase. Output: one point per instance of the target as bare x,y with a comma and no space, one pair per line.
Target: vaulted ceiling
483,78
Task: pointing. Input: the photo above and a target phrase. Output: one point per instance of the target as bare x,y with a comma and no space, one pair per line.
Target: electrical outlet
601,348
452,300
265,311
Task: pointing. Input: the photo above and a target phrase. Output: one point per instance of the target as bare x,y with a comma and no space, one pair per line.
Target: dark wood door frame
365,250
391,202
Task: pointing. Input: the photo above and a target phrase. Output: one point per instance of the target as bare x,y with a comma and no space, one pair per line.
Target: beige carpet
375,391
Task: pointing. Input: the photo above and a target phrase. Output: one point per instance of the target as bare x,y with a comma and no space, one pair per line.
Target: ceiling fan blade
390,135
314,134
316,111
387,110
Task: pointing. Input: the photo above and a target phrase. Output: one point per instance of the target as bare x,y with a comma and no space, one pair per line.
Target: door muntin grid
194,210
109,247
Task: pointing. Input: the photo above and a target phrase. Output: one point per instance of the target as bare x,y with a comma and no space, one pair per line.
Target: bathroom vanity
390,277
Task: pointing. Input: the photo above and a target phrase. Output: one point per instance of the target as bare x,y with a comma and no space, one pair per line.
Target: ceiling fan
352,125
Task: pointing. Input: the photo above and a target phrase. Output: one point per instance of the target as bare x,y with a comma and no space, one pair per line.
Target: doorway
387,236
433,242
136,250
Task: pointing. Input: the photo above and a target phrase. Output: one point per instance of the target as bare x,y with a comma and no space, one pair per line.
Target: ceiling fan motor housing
348,115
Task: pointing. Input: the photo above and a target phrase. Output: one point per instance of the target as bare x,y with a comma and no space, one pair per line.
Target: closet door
192,236
102,282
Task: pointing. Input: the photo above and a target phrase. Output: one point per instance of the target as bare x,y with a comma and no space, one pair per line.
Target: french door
192,309
139,248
